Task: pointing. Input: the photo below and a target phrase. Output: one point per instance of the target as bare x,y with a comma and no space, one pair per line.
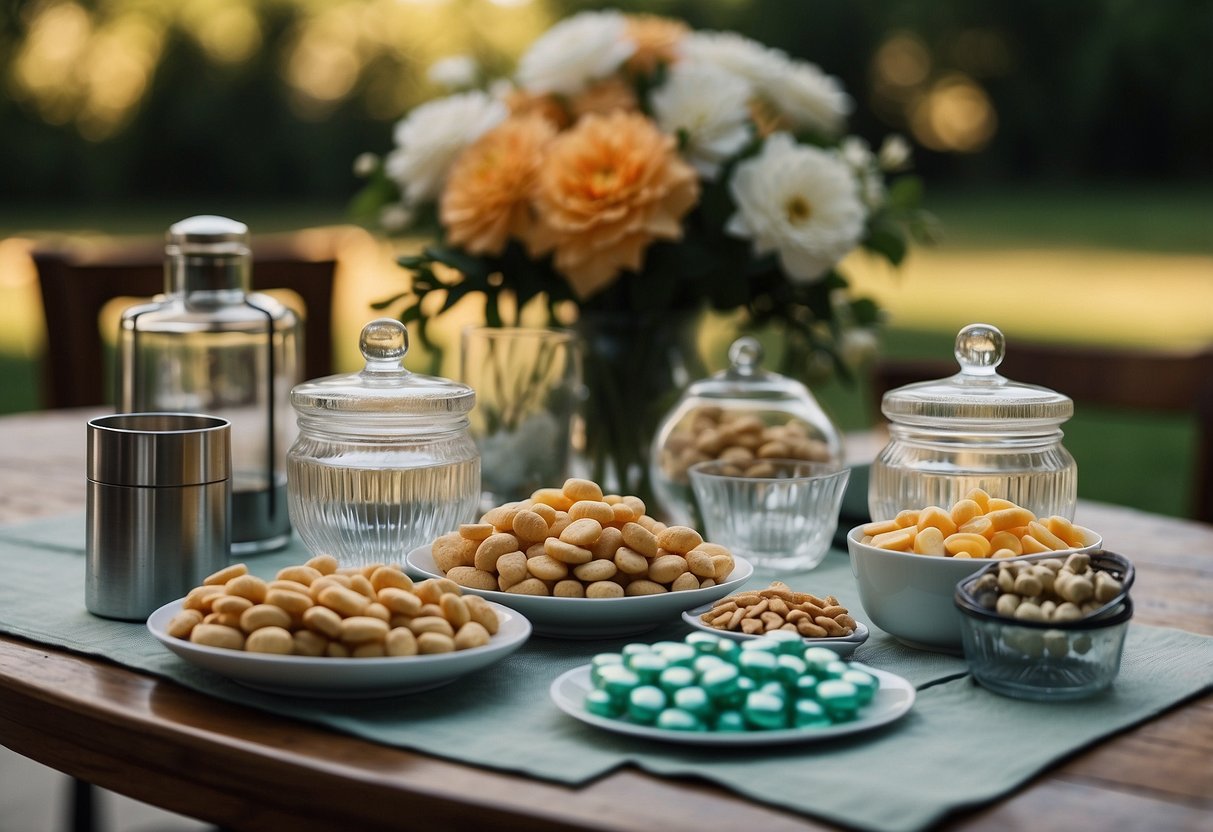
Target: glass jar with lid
975,429
745,415
383,462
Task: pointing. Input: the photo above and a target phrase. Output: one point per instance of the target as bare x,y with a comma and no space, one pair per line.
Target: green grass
1172,220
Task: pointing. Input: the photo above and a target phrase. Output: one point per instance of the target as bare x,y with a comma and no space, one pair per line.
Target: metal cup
159,503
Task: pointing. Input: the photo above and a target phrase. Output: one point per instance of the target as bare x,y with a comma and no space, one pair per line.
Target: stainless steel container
159,502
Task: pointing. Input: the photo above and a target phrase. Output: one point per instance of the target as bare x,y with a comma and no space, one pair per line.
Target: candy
756,687
645,703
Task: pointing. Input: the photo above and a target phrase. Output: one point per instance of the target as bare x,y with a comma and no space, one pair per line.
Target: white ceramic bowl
593,617
909,596
332,678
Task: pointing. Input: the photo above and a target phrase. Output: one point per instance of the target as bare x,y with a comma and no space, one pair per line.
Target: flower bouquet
631,174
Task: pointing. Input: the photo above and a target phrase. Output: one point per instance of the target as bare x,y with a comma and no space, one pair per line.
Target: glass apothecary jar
744,415
383,462
975,429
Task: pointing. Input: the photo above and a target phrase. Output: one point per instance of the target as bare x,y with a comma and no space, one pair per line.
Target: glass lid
977,395
384,386
746,379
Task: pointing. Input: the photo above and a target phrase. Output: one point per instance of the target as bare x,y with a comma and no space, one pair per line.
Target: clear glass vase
633,368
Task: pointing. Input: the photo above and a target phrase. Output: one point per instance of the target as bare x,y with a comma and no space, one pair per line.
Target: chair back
1130,379
77,285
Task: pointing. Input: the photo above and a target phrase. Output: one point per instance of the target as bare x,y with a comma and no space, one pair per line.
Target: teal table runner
904,776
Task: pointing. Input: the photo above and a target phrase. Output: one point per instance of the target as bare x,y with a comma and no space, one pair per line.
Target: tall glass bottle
209,345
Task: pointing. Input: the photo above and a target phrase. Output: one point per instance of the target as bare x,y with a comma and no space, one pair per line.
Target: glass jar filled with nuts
744,415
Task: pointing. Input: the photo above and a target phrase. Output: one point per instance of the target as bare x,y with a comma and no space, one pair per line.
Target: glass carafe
209,345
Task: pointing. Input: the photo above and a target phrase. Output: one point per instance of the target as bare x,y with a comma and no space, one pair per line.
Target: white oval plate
842,645
343,678
583,618
894,698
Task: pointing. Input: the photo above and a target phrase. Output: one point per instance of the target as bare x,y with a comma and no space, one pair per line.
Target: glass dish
384,460
975,429
783,521
1047,661
744,415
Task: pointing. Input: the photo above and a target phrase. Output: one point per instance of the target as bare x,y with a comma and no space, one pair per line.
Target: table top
164,744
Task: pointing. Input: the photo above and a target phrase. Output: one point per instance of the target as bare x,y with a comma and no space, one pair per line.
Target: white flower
807,97
894,153
395,217
855,152
432,135
741,56
800,202
456,72
710,106
858,346
365,164
574,52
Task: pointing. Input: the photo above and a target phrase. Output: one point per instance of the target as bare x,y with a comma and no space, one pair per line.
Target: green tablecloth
904,776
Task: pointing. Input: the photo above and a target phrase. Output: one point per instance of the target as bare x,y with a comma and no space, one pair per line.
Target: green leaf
905,193
469,265
378,192
888,241
386,302
865,311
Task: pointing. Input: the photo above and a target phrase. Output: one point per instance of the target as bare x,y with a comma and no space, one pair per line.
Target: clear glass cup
783,521
528,387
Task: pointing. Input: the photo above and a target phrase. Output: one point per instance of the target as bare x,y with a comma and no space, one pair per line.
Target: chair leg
83,805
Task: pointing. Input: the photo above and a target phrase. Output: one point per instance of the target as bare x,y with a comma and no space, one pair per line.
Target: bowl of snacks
708,690
1046,628
582,564
907,568
783,613
317,630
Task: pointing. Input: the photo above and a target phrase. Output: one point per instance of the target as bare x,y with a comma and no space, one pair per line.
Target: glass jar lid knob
745,356
979,349
384,343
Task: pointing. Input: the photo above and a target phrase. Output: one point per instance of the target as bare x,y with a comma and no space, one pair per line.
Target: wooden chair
1166,382
77,284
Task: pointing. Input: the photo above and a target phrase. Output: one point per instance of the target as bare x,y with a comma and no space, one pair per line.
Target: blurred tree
273,99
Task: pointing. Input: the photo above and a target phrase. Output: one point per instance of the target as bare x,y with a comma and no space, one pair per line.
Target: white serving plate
842,645
584,618
343,678
892,701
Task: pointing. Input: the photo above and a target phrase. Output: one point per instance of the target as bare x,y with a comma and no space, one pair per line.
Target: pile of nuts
978,526
317,609
1046,590
713,433
779,608
575,542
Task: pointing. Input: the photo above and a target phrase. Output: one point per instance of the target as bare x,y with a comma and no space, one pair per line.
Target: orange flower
604,97
485,201
608,188
656,40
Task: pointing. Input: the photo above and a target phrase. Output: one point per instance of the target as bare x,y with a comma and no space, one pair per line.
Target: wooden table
161,743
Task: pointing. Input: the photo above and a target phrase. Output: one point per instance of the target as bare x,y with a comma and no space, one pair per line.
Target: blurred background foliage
134,99
1066,148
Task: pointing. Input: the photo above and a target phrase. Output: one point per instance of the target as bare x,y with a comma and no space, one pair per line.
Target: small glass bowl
783,522
1046,661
